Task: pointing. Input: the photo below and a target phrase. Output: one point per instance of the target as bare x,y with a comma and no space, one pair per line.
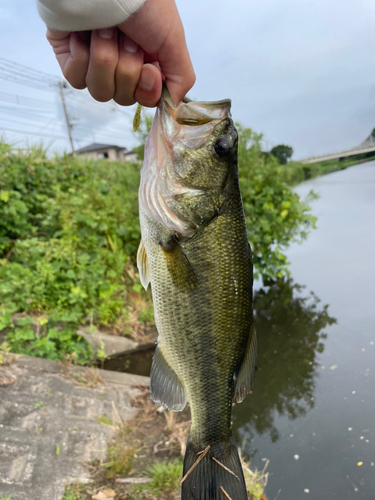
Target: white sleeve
81,15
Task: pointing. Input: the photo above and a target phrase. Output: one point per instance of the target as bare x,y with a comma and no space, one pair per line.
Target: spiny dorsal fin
165,386
142,264
248,368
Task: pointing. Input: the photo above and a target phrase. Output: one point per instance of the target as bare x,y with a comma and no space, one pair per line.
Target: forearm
82,15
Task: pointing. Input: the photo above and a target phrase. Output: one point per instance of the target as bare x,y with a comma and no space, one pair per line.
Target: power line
22,79
25,101
32,133
41,74
39,111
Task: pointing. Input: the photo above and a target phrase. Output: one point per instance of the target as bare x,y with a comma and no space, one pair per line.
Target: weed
38,404
255,480
164,477
6,358
75,491
121,458
89,377
104,420
6,498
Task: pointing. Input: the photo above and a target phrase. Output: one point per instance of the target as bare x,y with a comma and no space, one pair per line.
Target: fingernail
147,81
106,32
129,45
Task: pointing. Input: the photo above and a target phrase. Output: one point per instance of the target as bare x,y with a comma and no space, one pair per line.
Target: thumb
158,29
175,64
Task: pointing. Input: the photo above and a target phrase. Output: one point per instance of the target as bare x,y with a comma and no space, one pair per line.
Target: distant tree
282,152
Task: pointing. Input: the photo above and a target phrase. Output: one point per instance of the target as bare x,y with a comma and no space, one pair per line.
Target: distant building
107,151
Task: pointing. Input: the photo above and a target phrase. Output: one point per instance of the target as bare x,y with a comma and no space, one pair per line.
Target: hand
129,62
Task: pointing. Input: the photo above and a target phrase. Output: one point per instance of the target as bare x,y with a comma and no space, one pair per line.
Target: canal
311,412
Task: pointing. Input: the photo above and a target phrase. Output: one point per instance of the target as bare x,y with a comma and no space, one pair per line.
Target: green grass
165,478
104,419
75,491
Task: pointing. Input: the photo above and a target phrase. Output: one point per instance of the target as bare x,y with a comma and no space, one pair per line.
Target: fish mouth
193,113
190,122
191,125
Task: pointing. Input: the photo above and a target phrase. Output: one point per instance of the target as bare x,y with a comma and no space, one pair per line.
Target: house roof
97,147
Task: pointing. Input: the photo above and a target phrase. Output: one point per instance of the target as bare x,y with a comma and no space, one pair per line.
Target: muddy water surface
312,409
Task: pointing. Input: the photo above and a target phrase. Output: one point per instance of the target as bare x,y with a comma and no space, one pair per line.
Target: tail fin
216,476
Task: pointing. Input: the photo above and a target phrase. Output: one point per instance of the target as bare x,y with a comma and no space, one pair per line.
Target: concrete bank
49,424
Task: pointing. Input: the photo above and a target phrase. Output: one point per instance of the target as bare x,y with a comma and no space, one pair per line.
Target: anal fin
165,386
142,264
248,368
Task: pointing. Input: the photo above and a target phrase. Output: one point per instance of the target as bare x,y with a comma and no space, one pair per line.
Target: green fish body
196,255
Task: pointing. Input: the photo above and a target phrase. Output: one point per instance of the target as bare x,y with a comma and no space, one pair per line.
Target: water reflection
290,331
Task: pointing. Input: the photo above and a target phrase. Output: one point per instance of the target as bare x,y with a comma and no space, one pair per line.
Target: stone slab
49,427
109,344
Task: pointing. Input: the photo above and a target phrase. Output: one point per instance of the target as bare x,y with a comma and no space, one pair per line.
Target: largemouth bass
196,256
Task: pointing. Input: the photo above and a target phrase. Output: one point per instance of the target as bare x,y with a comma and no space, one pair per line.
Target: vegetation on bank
69,232
296,172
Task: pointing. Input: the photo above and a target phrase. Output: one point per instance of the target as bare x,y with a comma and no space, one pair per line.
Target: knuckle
78,85
123,100
101,95
77,82
105,60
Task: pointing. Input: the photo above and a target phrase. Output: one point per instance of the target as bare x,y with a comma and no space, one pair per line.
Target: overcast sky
300,71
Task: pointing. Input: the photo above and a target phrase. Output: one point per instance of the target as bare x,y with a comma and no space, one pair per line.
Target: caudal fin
213,473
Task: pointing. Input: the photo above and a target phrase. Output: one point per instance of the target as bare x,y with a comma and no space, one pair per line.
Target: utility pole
68,125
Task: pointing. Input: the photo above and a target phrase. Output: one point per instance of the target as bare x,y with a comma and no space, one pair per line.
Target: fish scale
201,283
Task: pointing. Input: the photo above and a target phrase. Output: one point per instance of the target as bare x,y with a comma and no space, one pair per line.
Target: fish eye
222,147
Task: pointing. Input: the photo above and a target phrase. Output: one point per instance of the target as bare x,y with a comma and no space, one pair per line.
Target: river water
311,412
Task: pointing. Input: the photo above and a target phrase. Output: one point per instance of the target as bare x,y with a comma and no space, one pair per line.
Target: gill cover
189,125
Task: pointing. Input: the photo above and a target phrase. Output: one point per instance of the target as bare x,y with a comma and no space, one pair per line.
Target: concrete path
48,426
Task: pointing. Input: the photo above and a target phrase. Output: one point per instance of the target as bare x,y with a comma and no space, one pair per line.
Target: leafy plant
275,215
69,232
49,342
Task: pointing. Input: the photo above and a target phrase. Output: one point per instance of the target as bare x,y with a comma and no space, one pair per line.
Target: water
312,408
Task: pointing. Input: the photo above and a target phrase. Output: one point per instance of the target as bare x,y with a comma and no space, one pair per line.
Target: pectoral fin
142,264
165,386
247,370
179,266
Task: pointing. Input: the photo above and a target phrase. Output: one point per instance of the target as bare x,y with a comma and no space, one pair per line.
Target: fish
195,255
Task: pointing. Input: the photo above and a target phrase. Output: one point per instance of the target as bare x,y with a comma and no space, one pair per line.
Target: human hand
129,62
